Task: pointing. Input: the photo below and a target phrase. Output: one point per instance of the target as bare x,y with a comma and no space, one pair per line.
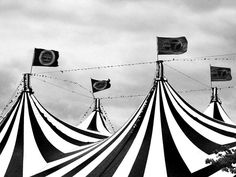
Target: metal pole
210,76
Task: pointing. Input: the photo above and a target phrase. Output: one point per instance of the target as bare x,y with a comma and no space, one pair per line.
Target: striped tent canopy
96,121
165,137
215,108
30,136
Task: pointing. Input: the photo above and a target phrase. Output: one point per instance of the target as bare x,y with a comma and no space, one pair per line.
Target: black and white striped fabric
30,137
216,110
165,137
96,121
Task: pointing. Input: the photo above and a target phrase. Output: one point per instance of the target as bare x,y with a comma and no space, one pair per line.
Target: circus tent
165,136
30,136
96,121
215,108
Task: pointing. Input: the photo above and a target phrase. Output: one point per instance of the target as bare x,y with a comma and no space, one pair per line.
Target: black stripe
53,169
15,167
198,112
90,134
207,171
103,122
221,131
61,134
109,165
59,166
224,111
48,151
93,123
7,117
196,138
8,132
175,165
139,166
216,112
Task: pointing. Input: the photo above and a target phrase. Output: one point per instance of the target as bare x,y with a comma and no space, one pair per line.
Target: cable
86,113
122,96
12,99
201,58
63,88
188,76
64,80
99,67
109,121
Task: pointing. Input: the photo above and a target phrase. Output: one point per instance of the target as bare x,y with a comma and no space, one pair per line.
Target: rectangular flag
220,74
171,46
43,57
99,85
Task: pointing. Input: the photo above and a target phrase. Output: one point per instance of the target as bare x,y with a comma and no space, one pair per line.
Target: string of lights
180,91
72,91
108,120
12,99
223,57
64,80
86,113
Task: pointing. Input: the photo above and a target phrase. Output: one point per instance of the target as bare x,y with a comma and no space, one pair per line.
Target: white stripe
185,147
223,114
84,125
204,131
6,154
129,159
62,160
86,170
208,121
64,129
156,156
100,125
222,174
209,111
52,137
31,151
5,128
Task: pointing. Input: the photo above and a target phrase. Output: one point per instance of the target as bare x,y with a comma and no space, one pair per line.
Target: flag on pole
220,73
99,85
169,46
43,57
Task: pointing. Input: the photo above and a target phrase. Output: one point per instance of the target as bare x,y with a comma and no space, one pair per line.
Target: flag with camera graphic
47,58
169,46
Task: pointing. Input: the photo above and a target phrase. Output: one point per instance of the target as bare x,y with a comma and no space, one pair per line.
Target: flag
168,46
43,57
99,85
220,74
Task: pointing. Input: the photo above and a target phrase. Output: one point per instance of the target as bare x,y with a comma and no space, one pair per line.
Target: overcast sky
109,32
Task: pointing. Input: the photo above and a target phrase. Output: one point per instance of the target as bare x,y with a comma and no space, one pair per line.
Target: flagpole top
159,70
97,104
214,97
26,81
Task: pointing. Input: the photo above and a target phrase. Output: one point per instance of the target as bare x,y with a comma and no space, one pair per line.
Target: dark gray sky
108,32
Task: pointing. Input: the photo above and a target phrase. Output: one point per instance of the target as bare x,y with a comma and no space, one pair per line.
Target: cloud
97,33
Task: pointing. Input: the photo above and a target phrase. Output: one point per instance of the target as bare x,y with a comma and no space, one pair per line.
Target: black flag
47,58
99,85
171,46
220,74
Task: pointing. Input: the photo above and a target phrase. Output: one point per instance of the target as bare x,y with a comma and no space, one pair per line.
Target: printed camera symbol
174,45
